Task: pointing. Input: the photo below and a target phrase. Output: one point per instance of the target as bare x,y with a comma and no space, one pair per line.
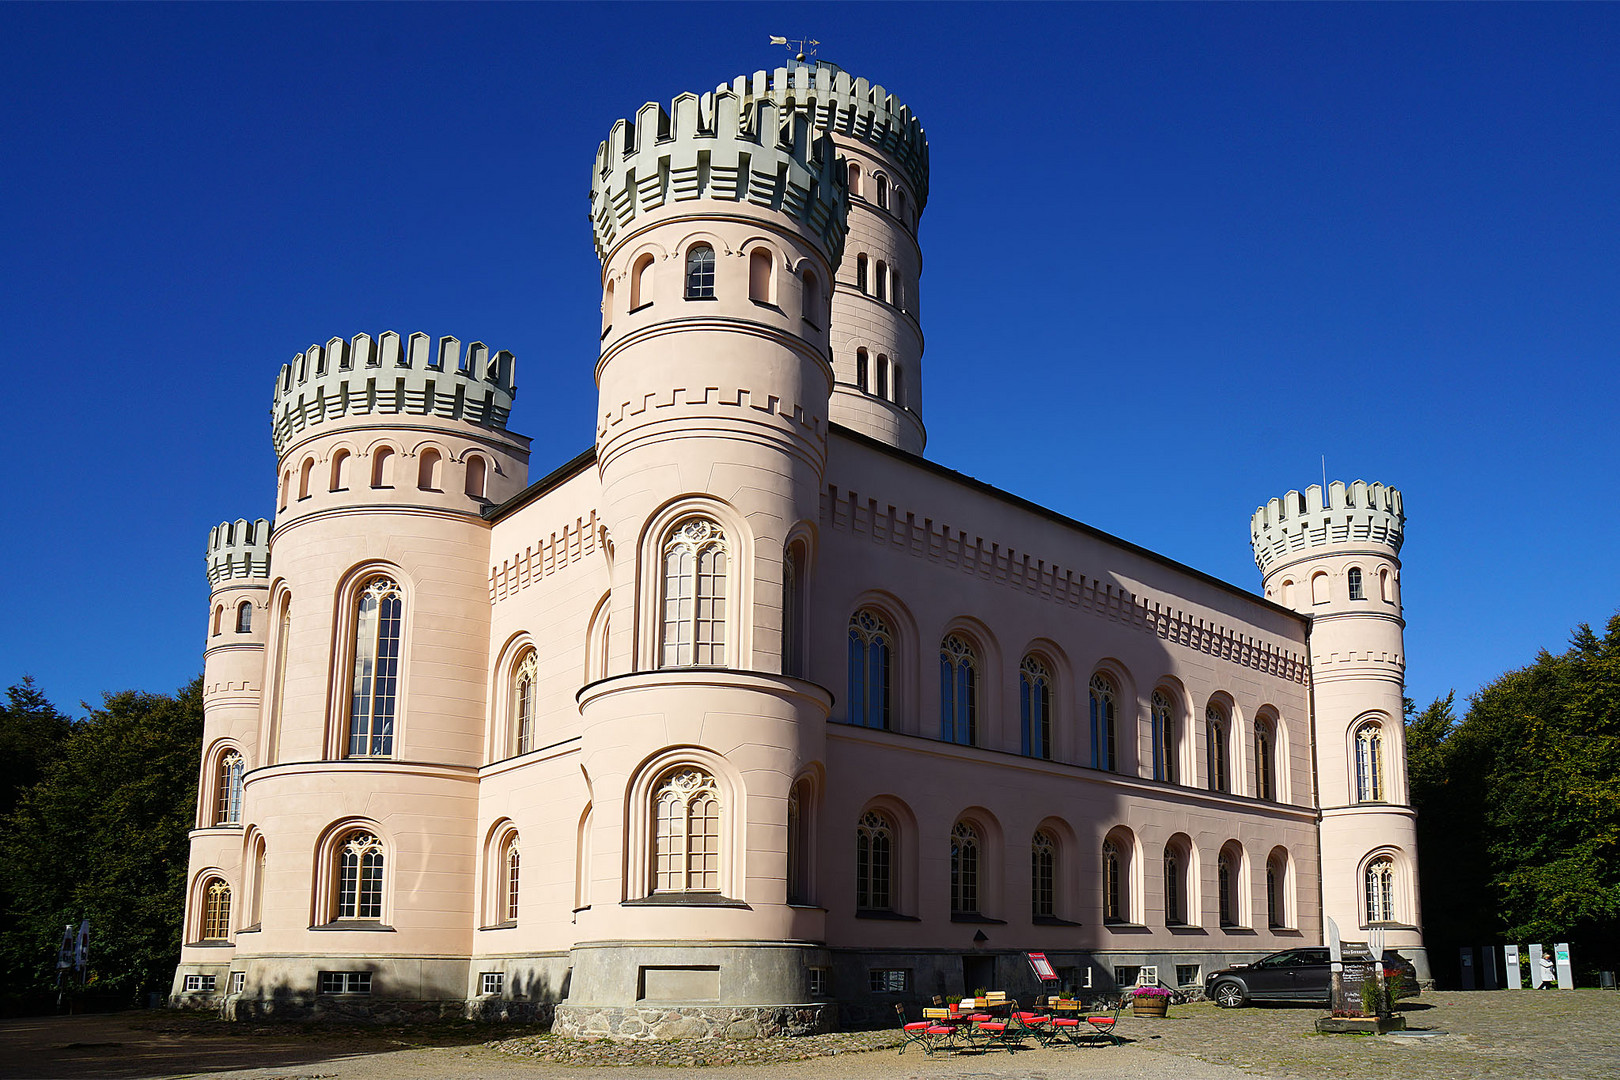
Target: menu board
1356,973
1042,967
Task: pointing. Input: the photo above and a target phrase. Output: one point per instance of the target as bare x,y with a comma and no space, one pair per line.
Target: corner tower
1338,562
720,225
876,334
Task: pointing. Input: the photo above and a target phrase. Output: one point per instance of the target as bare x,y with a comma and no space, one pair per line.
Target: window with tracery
1043,875
871,646
964,869
1275,914
360,877
700,272
1104,729
228,807
1035,707
1173,915
1370,763
1113,882
379,618
1227,873
1163,721
1215,725
695,595
1265,781
216,924
874,856
509,880
523,694
686,833
1380,887
958,691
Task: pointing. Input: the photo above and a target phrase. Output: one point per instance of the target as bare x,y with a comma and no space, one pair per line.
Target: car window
1281,959
1311,956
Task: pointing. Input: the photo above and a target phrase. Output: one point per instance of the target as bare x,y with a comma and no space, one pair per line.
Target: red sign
1042,966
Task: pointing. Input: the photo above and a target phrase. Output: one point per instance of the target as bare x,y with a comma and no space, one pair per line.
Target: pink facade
750,707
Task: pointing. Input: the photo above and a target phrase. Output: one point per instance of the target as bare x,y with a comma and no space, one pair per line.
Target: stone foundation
693,1021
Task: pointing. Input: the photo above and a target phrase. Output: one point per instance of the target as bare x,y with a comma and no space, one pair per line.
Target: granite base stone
668,1022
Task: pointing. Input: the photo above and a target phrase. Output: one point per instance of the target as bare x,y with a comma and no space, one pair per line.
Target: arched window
509,881
304,472
1265,779
1353,578
1163,721
1380,887
759,275
861,370
477,476
871,644
1288,592
1370,763
793,610
854,178
882,191
899,202
1113,882
1173,915
812,297
340,470
256,895
429,470
523,703
216,923
882,376
360,877
219,619
378,626
641,282
1215,746
286,489
1383,586
228,785
1319,588
798,846
686,833
958,692
700,272
1276,881
1035,707
607,307
582,861
1228,883
244,617
278,679
382,467
881,280
874,857
860,272
899,387
695,595
1043,875
1103,727
964,869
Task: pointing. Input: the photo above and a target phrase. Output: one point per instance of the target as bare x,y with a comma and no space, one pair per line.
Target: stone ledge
1359,1025
665,1022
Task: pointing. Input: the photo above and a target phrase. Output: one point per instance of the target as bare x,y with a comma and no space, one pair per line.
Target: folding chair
912,1031
940,1034
1106,1027
1065,1022
1035,1021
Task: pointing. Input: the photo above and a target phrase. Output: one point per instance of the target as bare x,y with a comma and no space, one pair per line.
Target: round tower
1338,562
876,334
389,451
719,225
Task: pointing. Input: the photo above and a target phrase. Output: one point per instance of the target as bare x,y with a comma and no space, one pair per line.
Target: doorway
978,973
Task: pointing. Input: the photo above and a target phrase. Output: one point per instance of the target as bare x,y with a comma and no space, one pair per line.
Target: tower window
695,595
379,616
216,924
228,806
641,279
882,280
899,387
862,374
1369,763
882,376
429,471
854,178
340,470
1380,887
477,472
882,191
860,272
360,877
1353,577
812,298
382,467
509,880
700,273
686,833
244,617
759,276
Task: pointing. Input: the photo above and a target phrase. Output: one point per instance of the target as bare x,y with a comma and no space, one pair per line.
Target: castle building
750,712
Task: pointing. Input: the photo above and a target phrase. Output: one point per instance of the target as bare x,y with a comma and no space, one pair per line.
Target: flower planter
1150,1005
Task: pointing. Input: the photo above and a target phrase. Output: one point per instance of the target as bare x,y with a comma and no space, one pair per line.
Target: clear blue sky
1173,256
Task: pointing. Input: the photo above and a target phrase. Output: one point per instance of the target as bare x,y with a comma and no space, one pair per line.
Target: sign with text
1041,966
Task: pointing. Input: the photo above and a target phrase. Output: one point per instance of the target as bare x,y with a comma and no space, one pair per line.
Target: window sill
702,298
975,917
510,924
640,307
211,943
1238,930
254,929
1122,927
767,305
363,926
798,906
1053,920
885,916
687,899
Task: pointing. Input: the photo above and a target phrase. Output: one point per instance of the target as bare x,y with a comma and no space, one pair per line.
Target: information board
1041,966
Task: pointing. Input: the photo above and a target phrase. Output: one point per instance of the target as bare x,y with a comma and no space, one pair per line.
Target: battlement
238,551
716,147
840,103
389,375
1358,513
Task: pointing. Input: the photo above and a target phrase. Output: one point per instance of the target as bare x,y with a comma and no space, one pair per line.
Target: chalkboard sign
1356,973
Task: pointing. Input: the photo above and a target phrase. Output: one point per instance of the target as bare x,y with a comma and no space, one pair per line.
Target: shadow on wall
530,998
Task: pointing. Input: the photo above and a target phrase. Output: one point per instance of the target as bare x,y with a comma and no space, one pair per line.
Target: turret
1338,562
876,335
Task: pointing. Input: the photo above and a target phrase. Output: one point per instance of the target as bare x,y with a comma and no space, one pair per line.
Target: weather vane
806,45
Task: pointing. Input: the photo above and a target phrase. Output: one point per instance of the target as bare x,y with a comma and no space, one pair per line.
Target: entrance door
978,973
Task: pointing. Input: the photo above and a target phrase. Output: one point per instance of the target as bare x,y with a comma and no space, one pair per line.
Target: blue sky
1173,256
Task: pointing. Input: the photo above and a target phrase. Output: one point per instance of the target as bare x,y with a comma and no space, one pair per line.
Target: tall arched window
244,617
759,276
798,847
509,880
882,376
1043,875
700,272
686,833
1265,779
1215,745
1288,592
1353,579
219,618
430,470
882,191
881,280
793,610
382,467
477,476
228,808
607,307
1113,883
641,282
695,595
1383,586
1173,915
1276,881
958,692
1104,732
303,477
860,272
899,396
1035,707
1319,588
812,298
871,644
874,858
1228,882
1163,718
899,201
523,703
340,470
278,678
854,178
964,869
1380,888
286,489
216,923
862,372
378,626
360,877
1370,763
256,894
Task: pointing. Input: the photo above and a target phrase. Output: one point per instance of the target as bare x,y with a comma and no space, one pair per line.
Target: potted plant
1150,1001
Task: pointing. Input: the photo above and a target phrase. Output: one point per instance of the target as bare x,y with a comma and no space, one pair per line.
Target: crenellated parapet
238,551
1353,513
717,147
838,102
390,375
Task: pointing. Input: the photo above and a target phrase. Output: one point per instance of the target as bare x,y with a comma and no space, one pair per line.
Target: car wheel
1229,995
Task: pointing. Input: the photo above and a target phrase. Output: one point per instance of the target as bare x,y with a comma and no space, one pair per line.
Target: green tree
32,736
103,836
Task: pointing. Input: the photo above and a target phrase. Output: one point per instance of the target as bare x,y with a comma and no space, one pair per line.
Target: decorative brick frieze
576,540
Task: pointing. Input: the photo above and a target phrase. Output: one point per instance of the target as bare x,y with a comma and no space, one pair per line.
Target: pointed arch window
1162,717
228,810
871,644
1227,872
686,836
797,847
700,272
1035,707
695,595
1380,888
1276,878
360,877
523,703
510,865
379,618
1215,746
1173,915
793,610
1370,763
1043,875
1265,779
1104,728
1113,881
216,924
964,869
958,691
874,855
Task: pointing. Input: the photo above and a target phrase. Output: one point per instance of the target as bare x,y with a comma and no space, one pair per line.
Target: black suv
1296,975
